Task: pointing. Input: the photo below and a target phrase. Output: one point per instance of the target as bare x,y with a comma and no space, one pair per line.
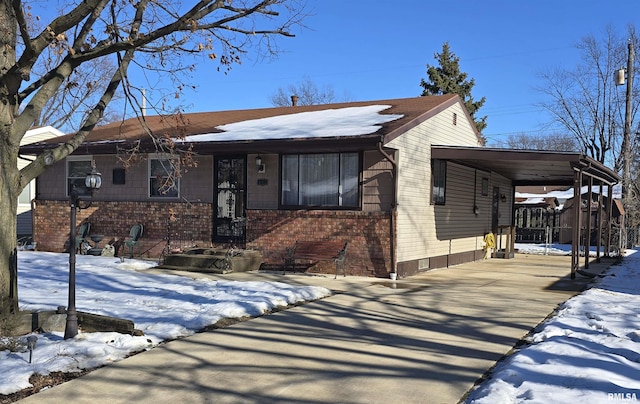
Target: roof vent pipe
143,107
294,100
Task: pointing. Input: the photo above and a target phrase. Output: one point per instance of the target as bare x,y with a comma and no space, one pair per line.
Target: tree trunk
10,184
8,229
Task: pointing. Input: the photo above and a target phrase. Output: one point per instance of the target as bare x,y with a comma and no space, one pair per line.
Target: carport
533,167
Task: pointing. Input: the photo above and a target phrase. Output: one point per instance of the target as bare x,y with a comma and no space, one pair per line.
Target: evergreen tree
448,79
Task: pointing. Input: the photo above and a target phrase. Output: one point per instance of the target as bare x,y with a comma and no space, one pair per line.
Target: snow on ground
588,352
162,306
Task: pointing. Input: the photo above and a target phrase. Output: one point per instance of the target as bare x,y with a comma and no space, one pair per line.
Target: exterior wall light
260,167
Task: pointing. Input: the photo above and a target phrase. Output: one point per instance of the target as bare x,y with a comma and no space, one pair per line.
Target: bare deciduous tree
555,142
307,93
158,36
77,96
586,101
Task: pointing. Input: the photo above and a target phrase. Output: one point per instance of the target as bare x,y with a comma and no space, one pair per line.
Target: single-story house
405,182
547,213
592,211
537,213
24,223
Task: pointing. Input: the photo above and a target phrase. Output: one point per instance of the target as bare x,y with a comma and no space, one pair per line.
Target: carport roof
528,167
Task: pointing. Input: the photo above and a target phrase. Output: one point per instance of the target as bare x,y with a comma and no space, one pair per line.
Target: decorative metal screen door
229,222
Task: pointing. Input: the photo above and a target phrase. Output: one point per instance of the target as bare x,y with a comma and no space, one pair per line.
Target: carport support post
587,232
575,240
609,219
599,223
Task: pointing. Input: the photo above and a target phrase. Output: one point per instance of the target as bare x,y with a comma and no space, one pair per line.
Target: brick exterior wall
368,234
268,231
192,224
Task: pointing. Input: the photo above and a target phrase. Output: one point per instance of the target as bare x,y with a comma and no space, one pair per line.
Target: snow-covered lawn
164,307
588,352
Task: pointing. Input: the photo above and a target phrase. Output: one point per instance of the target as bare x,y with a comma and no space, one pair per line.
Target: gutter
394,208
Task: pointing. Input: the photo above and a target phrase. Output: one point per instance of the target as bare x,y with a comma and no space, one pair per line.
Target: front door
230,192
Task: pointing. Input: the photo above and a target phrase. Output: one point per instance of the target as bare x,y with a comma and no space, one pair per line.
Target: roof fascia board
318,145
599,170
480,153
576,161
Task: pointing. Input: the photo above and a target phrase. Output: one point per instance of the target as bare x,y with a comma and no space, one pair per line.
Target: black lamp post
92,183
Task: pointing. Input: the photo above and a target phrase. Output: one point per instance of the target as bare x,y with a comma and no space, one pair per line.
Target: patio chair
134,235
81,236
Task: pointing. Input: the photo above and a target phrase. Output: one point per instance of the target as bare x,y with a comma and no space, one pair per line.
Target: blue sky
371,49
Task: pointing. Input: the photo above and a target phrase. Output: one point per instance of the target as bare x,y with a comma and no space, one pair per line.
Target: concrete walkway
425,339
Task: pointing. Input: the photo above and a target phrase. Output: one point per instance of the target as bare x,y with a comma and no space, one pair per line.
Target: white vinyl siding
426,230
24,200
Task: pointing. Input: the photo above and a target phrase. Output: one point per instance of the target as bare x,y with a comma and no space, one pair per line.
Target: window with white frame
78,167
438,181
326,179
163,176
25,196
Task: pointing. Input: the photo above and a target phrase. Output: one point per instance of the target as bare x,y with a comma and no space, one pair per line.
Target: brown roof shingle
413,111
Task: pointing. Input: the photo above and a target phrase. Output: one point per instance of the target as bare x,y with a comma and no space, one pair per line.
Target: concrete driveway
425,339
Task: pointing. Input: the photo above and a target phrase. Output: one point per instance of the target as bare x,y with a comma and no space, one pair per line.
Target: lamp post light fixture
92,182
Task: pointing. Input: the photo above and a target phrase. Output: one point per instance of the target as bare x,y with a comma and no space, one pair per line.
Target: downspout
394,205
513,219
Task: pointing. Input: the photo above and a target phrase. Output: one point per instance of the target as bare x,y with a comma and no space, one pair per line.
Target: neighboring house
404,181
547,213
34,135
537,213
590,214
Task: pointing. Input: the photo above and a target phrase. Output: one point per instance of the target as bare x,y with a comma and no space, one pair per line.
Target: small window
438,181
485,186
25,196
78,167
163,177
455,119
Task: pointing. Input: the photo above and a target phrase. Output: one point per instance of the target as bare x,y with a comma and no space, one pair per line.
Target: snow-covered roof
39,134
532,201
568,193
350,121
361,122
